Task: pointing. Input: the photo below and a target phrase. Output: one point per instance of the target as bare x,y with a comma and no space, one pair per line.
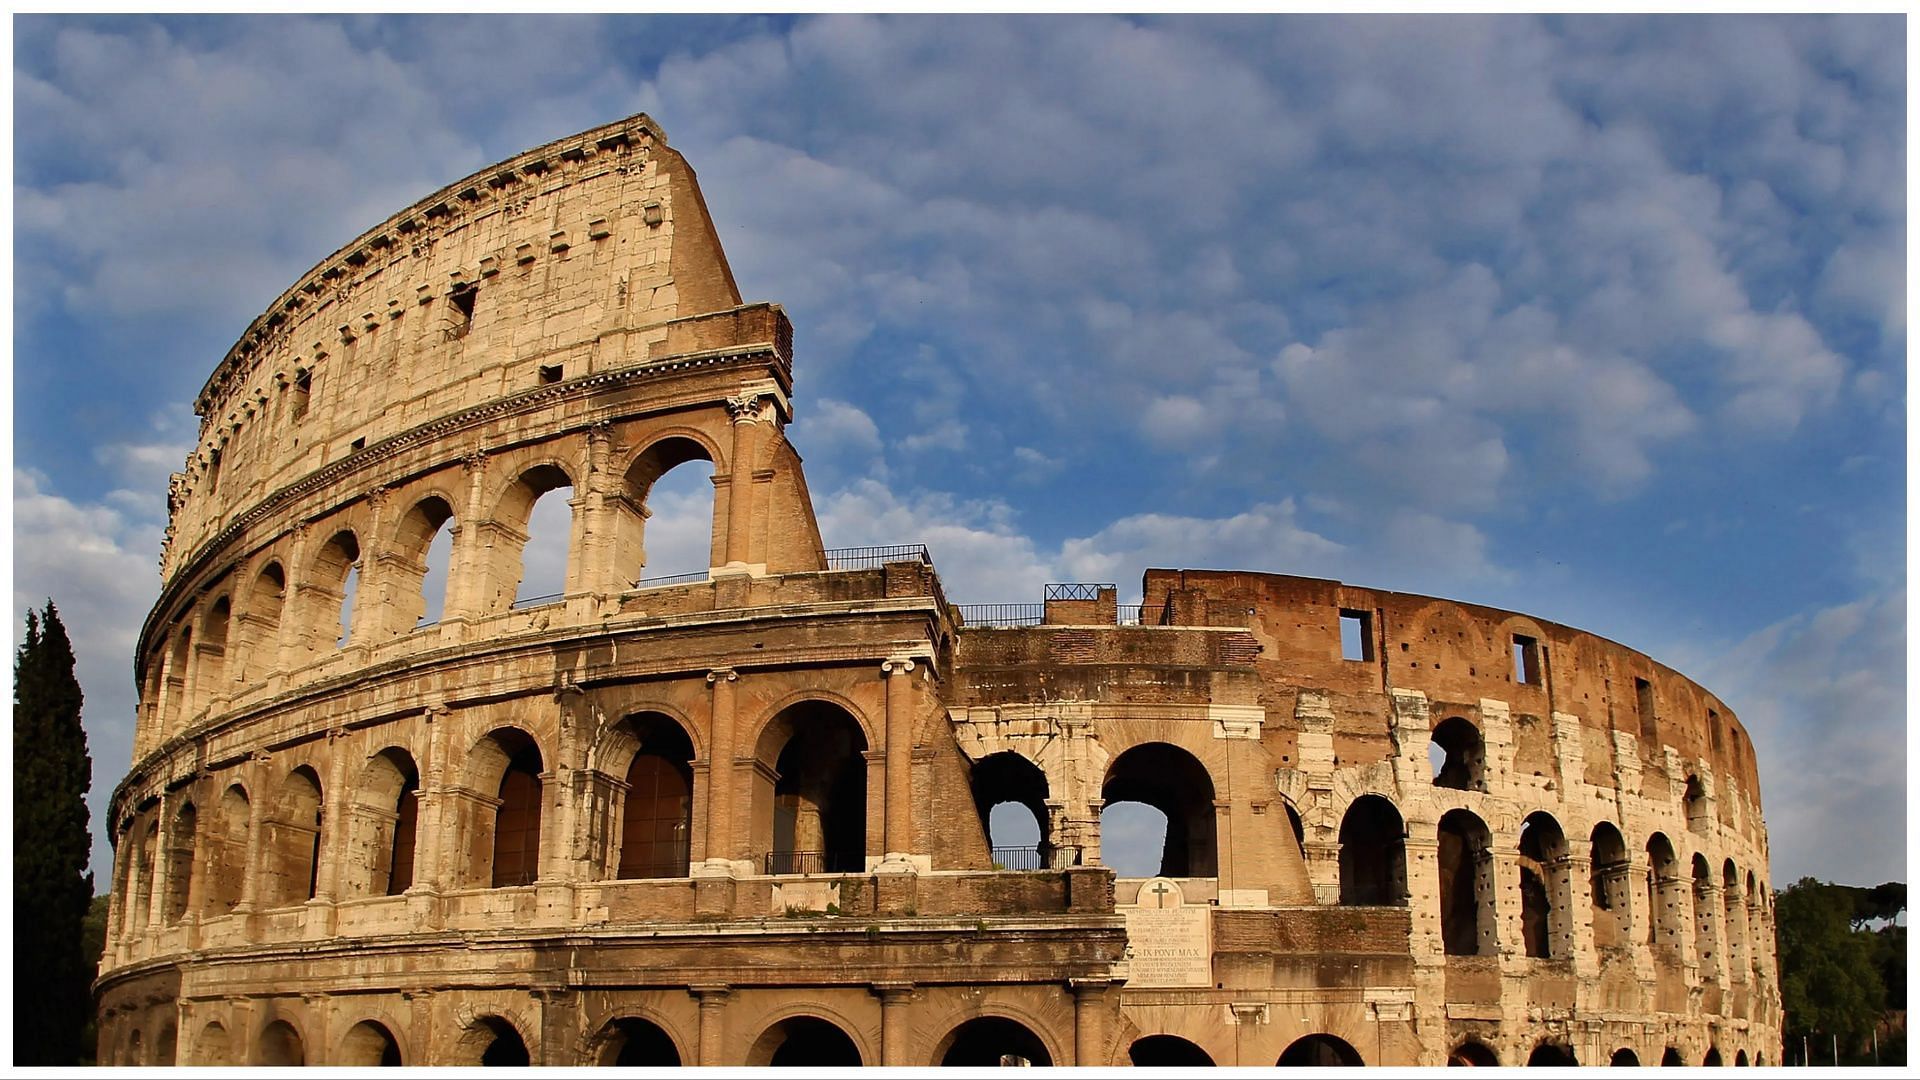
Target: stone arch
279,1043
408,568
1665,928
1465,853
182,831
656,801
258,644
384,832
804,1039
504,795
1706,940
213,1047
810,790
1173,781
226,856
1624,1057
1739,1058
1373,853
1608,886
1475,1053
166,1048
493,1039
369,1043
135,1051
1694,798
631,1039
665,453
1010,778
1167,1051
179,660
292,847
1319,1050
331,588
1552,1053
1546,924
1734,918
511,535
1713,1059
989,1040
140,872
1458,753
1672,1058
210,656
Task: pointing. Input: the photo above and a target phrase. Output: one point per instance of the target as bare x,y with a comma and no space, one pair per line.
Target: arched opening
1734,916
1552,1055
213,1047
333,583
293,841
1712,1060
1167,1051
210,680
1373,854
1755,912
386,812
633,1042
1664,925
140,875
1474,1053
810,792
185,829
1319,1051
167,1046
1609,887
1672,1058
422,554
226,862
502,833
1706,942
802,1041
1010,796
501,1044
665,527
260,624
1699,817
1545,928
1458,755
516,833
369,1043
539,506
135,1053
1466,885
1624,1057
178,709
656,817
993,1041
279,1044
1739,1058
1174,782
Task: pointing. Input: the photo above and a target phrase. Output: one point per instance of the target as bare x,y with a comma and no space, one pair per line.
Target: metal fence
538,601
866,558
1068,590
813,862
1129,614
670,579
1003,614
1017,858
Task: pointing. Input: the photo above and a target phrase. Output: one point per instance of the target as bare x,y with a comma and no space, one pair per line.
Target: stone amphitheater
746,816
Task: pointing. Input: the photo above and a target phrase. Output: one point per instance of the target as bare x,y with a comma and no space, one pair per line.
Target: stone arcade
742,815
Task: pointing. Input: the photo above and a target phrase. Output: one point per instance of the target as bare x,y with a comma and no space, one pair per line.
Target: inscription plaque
1168,943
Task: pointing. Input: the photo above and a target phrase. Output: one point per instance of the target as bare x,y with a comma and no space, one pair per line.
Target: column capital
710,993
892,992
725,674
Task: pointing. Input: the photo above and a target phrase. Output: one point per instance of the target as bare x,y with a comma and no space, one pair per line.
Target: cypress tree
52,890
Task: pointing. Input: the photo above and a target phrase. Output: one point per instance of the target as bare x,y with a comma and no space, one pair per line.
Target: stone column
901,702
428,876
162,873
713,1001
466,566
1089,1022
720,752
747,410
895,1032
599,548
256,835
336,823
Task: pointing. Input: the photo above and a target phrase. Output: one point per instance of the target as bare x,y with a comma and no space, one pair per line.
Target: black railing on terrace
866,558
1003,614
1017,858
538,601
813,862
670,579
1074,590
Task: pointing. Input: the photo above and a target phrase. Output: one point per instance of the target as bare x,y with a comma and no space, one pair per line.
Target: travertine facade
743,818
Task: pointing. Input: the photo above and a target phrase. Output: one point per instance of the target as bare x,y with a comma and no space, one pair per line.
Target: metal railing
538,601
1070,590
1129,615
866,558
1003,614
813,862
1017,858
670,579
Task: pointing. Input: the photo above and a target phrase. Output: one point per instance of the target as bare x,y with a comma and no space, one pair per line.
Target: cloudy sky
1599,319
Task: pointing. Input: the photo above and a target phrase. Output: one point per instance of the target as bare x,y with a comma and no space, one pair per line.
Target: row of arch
1549,1052
298,605
271,850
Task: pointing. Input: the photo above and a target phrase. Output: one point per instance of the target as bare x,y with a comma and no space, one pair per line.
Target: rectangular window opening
1643,697
460,311
1526,660
360,443
1356,635
551,373
213,470
302,390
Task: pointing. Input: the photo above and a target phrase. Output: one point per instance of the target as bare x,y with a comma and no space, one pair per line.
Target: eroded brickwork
742,817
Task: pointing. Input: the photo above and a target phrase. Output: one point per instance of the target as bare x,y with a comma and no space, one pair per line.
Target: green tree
1830,982
52,890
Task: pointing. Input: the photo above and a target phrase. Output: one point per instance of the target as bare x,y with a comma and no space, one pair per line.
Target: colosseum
745,816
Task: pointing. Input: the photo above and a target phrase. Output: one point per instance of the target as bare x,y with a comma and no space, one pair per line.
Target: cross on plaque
1160,892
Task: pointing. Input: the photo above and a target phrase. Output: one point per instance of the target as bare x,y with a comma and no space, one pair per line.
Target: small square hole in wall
551,373
360,443
1356,635
1526,660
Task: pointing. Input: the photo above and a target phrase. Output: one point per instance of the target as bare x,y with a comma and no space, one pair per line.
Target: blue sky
1599,319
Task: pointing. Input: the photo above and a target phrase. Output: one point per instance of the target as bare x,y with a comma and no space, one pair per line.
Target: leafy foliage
52,890
1834,975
